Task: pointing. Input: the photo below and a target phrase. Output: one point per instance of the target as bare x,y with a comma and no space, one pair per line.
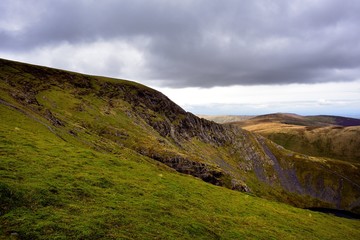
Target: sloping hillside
225,118
298,120
86,157
322,136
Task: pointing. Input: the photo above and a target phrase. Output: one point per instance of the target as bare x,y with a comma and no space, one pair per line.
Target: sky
225,57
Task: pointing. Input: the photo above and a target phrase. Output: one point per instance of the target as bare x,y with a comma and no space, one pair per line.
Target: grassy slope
105,114
96,184
294,119
314,136
333,142
53,189
225,118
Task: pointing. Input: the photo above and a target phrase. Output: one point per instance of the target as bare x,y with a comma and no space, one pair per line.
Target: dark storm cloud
203,43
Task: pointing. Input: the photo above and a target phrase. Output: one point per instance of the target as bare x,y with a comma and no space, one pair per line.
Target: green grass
86,179
54,190
313,136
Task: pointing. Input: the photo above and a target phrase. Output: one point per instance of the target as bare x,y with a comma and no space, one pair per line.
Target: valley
321,136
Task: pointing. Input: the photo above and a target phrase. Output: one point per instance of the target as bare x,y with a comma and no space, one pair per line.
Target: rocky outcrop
165,116
54,120
324,181
206,172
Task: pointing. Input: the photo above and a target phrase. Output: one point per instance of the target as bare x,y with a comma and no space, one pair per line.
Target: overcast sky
211,56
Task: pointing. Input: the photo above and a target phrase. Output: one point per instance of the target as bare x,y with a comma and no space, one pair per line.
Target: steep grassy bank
56,189
321,136
91,148
104,114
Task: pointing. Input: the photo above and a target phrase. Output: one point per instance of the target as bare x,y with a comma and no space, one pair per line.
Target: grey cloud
204,43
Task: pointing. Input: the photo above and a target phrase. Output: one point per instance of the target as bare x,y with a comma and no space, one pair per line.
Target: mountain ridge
313,120
108,116
239,158
322,136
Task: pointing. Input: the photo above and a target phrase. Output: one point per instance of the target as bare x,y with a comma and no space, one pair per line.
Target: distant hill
323,136
286,118
225,118
294,119
89,157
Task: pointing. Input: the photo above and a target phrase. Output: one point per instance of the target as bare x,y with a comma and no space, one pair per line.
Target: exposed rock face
239,186
201,170
181,126
54,121
176,122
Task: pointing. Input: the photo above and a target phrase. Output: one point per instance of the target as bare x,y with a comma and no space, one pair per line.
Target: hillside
225,118
86,157
322,136
294,119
